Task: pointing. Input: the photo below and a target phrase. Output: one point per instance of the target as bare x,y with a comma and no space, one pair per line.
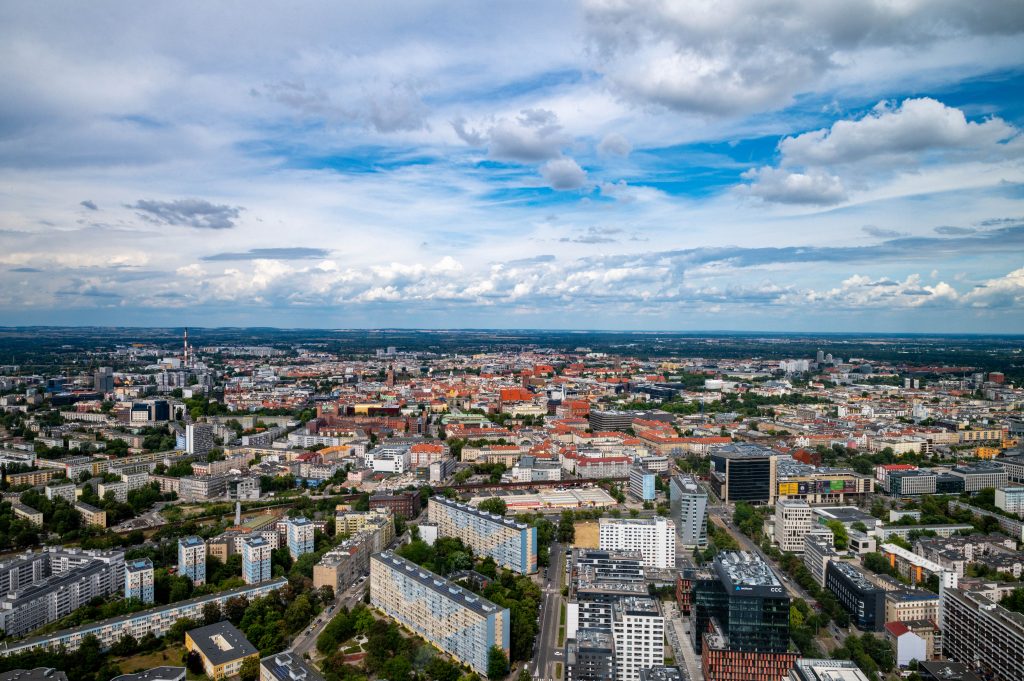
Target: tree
839,530
250,669
211,613
440,669
194,662
493,505
497,663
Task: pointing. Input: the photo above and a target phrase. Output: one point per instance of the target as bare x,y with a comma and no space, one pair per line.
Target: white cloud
781,186
563,173
615,144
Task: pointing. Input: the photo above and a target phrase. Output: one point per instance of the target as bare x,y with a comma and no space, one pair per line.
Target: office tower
511,544
858,595
641,483
655,538
459,622
741,620
192,559
138,580
198,438
103,380
689,507
638,630
983,634
744,472
299,532
256,560
793,521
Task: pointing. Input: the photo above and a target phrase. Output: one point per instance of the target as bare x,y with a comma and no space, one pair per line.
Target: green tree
494,505
497,663
250,669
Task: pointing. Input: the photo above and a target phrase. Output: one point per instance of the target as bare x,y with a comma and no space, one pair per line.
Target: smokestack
238,514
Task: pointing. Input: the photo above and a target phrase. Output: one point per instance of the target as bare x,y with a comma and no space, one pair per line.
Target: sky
776,165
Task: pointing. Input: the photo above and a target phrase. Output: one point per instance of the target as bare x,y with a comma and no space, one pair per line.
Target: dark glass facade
749,478
754,618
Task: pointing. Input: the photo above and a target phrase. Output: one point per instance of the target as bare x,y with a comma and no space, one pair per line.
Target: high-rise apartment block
638,630
38,588
689,507
459,622
982,633
198,438
641,483
256,560
655,538
103,380
138,580
590,656
511,544
793,521
299,533
192,559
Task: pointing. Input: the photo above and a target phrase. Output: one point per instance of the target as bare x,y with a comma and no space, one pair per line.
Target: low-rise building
222,648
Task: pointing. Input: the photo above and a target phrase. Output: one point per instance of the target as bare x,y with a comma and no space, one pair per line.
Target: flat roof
437,583
745,571
221,642
484,515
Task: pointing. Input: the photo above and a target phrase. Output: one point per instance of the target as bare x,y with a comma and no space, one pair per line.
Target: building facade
138,580
192,559
793,521
511,544
655,538
299,533
688,504
256,560
857,594
638,631
641,483
983,634
457,621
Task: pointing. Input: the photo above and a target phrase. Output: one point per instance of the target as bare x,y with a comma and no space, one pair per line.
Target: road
547,653
724,517
305,642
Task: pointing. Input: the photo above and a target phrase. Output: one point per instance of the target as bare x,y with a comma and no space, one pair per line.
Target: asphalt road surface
547,652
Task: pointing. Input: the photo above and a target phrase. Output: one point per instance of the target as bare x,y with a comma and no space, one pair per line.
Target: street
547,652
305,642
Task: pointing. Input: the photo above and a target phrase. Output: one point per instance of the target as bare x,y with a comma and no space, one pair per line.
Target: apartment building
590,656
380,522
793,521
156,621
256,560
192,559
199,438
1010,499
403,504
688,504
340,567
91,515
299,533
221,647
201,488
28,513
638,632
138,580
511,544
641,483
38,588
287,666
655,538
984,634
457,621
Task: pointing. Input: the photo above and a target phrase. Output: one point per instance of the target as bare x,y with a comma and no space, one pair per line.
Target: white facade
792,523
655,538
1010,499
639,633
388,459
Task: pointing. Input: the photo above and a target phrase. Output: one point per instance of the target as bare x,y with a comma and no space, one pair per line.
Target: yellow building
222,648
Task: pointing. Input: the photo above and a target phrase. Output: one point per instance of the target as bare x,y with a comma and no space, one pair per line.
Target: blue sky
619,164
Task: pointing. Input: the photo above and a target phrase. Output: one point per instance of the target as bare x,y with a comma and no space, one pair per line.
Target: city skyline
619,165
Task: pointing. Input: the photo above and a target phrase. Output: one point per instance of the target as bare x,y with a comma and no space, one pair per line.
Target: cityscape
551,340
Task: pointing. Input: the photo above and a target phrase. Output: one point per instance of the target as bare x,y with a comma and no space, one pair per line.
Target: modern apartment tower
638,630
983,634
689,507
198,438
299,532
511,544
192,559
793,521
641,483
138,580
457,621
655,538
256,560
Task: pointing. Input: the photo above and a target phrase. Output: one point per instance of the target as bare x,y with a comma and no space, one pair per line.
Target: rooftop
155,674
437,583
466,508
286,666
745,569
139,564
858,578
221,642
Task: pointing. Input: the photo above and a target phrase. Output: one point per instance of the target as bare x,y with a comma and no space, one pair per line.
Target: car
558,652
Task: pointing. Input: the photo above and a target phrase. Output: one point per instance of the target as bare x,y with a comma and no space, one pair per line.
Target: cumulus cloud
724,58
912,127
820,166
287,253
386,108
88,204
781,186
563,173
533,136
188,213
614,144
